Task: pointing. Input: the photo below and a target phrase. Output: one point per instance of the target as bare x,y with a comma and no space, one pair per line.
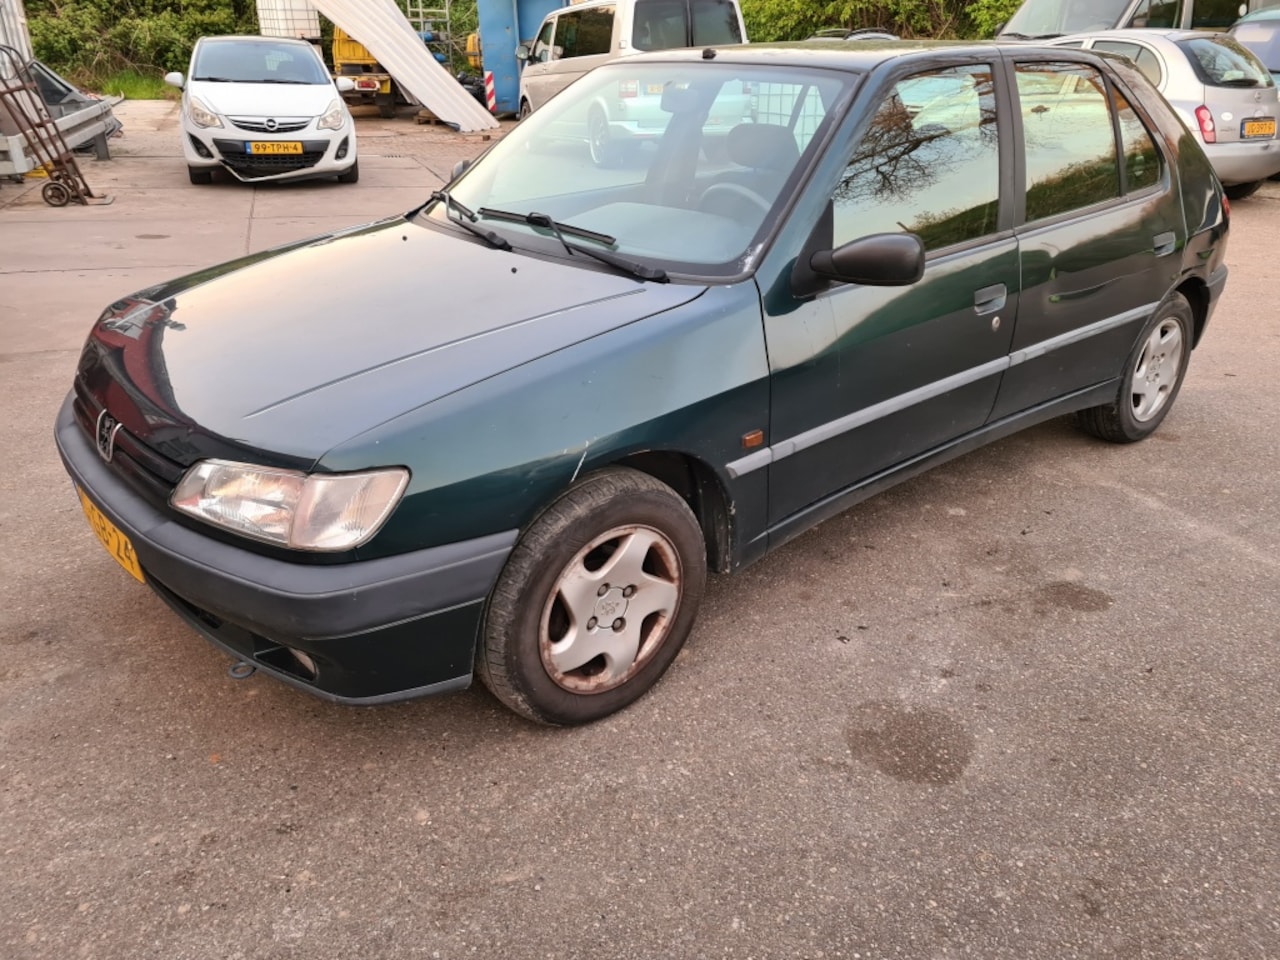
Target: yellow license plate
1265,127
117,544
273,146
653,88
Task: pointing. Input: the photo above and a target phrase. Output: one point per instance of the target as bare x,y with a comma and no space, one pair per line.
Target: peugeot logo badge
105,435
271,124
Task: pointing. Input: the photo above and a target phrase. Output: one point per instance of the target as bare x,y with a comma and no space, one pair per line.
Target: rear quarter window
1221,62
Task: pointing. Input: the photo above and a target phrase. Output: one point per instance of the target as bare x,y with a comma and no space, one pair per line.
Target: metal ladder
20,99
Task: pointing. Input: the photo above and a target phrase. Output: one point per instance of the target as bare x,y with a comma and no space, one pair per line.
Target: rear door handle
1165,243
990,299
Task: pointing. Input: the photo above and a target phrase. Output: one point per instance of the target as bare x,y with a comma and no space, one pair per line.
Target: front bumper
375,630
324,153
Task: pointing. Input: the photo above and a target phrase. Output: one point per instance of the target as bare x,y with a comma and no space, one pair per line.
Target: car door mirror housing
174,79
880,260
345,84
459,169
522,52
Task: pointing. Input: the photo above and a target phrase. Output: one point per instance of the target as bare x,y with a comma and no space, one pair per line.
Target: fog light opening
342,149
199,147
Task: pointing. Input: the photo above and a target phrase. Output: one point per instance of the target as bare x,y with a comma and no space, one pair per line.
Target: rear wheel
1238,191
1153,375
197,175
595,601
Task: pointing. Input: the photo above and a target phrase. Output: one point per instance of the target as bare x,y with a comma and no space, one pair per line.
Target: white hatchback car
264,108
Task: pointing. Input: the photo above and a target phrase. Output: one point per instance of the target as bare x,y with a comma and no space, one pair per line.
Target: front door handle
990,299
1165,243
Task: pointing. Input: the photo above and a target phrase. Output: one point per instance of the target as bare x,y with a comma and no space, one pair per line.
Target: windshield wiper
305,83
536,219
468,219
636,269
215,79
1027,36
1240,82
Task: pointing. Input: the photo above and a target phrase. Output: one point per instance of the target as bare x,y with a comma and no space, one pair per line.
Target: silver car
1224,95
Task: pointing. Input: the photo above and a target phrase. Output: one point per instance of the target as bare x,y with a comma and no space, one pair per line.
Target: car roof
254,38
1143,33
856,55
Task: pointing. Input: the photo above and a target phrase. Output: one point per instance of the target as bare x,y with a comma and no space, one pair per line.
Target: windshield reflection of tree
907,166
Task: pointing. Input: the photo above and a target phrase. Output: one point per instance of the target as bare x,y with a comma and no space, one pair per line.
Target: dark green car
509,432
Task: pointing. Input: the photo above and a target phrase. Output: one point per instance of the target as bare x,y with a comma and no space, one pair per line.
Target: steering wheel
726,199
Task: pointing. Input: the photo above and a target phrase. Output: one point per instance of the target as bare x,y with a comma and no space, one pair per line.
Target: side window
1155,13
1070,158
595,32
1142,57
567,34
1143,164
929,163
542,48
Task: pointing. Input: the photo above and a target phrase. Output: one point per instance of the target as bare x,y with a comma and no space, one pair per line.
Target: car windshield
1051,18
257,61
680,166
1222,62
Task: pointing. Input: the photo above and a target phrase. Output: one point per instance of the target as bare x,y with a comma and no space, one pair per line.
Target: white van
578,37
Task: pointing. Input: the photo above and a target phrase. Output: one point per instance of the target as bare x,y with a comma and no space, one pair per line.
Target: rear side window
1221,62
1070,148
1214,13
1143,164
667,24
585,33
1156,13
1146,61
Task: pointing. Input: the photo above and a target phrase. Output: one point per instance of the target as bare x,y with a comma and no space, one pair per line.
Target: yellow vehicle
373,83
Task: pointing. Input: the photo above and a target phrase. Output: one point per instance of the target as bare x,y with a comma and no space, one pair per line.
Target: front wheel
595,601
1153,375
351,174
1239,191
525,110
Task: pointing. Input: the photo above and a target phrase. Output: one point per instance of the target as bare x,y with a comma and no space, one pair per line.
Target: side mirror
345,84
458,170
174,79
523,52
880,260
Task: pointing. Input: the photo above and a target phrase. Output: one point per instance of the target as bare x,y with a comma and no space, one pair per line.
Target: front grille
259,124
265,165
150,473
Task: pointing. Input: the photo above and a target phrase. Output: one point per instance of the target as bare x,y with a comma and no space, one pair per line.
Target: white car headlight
289,508
333,118
201,115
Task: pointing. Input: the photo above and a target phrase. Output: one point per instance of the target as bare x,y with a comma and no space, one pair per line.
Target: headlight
288,508
333,118
201,115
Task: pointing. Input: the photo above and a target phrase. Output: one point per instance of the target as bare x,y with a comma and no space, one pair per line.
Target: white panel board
288,18
13,28
381,27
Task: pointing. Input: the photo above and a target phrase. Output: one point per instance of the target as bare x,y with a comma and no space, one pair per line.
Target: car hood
282,355
264,99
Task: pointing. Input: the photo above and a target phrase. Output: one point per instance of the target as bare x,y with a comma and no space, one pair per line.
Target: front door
866,378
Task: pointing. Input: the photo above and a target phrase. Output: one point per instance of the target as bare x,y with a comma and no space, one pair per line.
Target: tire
1153,374
535,651
1239,191
198,176
604,152
56,194
351,174
524,111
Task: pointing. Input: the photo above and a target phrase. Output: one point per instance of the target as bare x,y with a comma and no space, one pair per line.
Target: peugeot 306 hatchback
625,377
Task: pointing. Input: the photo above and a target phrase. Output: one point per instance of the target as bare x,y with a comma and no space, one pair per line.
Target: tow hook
241,670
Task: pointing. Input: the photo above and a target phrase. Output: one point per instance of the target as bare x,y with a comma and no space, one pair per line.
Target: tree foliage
941,19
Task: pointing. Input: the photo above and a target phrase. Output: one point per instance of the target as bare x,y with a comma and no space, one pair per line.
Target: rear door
1101,227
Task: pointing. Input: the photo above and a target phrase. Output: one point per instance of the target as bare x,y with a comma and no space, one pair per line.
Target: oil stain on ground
1074,596
914,746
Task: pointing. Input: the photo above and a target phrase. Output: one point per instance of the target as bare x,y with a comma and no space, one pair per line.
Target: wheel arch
699,486
1197,293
